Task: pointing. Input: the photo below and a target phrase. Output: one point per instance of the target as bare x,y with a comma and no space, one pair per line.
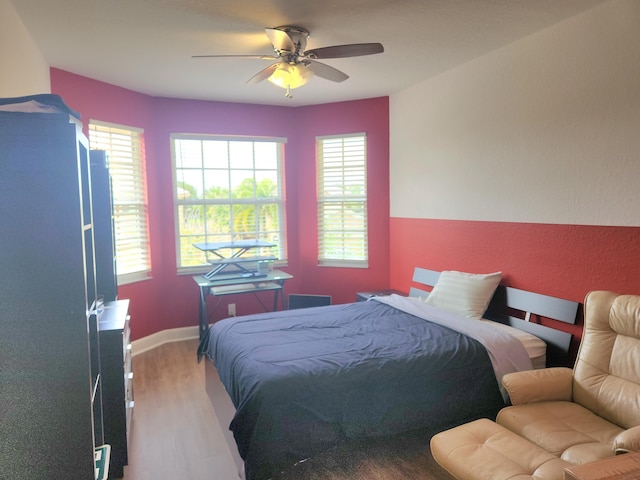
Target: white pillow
467,294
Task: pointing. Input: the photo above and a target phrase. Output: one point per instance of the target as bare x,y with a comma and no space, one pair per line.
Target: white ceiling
146,45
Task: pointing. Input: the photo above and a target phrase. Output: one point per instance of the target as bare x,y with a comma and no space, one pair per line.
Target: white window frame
341,166
281,244
127,166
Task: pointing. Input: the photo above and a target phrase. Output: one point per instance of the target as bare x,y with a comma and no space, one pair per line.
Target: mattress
535,347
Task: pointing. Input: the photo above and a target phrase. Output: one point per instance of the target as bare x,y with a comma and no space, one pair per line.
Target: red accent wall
370,117
561,260
168,300
565,261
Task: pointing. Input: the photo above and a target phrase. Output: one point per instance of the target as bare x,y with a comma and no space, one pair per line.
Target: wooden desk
236,283
620,467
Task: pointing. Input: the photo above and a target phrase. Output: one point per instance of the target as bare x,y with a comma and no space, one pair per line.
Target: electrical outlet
232,309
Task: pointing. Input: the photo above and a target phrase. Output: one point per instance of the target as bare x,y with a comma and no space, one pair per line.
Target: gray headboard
508,301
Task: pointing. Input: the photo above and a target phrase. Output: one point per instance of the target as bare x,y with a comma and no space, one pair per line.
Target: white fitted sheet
535,347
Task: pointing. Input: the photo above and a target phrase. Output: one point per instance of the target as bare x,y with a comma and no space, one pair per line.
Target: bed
298,382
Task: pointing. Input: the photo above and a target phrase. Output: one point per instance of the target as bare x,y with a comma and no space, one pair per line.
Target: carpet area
405,457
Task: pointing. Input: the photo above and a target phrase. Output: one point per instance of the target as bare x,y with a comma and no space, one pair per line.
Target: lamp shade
290,76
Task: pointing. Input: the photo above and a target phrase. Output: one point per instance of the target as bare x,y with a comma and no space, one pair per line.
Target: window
342,201
227,189
125,153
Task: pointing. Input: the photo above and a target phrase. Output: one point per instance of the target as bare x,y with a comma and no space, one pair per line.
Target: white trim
225,138
154,340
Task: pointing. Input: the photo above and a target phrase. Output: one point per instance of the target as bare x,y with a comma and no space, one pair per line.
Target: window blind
342,201
126,157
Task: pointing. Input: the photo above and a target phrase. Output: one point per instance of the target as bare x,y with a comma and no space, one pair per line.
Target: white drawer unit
128,375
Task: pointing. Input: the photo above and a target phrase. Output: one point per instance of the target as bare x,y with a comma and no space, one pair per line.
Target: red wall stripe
565,261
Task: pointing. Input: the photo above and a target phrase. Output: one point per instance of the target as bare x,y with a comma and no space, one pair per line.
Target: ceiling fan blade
327,72
258,57
263,74
342,51
280,40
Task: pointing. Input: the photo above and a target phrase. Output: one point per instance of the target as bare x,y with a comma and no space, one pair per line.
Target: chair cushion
483,450
564,429
606,377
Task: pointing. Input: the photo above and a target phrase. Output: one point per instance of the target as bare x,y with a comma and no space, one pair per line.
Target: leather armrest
627,441
544,385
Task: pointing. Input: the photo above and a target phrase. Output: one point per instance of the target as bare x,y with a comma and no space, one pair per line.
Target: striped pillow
467,294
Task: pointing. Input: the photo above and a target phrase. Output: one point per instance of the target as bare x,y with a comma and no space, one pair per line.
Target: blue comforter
305,380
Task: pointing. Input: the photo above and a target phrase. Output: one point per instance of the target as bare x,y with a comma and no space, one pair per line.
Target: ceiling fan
294,66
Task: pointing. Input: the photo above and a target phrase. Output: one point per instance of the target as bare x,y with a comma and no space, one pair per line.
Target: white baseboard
160,338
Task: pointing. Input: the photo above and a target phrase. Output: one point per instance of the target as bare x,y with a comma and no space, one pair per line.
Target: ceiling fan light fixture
295,66
290,76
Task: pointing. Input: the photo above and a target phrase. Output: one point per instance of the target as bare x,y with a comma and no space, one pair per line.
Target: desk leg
280,292
202,312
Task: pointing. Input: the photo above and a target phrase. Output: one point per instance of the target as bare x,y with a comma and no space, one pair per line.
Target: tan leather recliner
576,415
588,413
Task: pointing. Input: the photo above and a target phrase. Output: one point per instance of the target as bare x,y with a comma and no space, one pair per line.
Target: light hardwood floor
175,434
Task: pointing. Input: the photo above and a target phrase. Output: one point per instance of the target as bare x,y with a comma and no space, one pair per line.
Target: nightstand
620,467
364,296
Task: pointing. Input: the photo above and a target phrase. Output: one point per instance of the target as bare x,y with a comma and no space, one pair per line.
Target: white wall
23,69
545,130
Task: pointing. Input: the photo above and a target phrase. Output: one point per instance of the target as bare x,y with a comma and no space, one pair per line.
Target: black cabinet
106,274
50,388
117,382
115,345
